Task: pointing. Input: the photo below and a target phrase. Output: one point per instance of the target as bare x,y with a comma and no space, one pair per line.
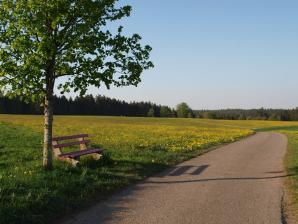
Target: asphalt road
237,183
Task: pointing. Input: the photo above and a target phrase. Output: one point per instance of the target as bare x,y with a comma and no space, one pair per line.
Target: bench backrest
77,140
61,138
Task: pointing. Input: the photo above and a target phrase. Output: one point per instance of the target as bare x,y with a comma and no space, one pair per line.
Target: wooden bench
74,157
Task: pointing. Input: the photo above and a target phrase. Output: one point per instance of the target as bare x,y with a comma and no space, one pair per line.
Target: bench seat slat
80,153
61,138
67,144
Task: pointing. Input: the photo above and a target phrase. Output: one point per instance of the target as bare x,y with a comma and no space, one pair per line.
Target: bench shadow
183,170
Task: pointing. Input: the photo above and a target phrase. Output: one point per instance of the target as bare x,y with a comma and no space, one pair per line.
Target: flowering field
138,133
148,133
134,149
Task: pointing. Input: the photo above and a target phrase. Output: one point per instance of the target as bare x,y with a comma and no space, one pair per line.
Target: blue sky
216,53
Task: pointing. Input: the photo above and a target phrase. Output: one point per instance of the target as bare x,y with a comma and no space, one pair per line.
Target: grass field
134,149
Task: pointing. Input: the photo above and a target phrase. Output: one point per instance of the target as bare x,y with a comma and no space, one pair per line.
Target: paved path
235,184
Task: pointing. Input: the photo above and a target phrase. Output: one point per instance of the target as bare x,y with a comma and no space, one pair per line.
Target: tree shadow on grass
141,161
293,171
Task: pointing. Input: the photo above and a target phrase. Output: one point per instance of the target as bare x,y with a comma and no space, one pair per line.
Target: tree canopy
184,111
66,38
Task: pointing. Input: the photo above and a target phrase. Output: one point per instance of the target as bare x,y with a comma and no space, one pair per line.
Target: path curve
236,184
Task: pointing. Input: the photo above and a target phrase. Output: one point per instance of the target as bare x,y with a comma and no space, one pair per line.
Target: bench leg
73,162
96,156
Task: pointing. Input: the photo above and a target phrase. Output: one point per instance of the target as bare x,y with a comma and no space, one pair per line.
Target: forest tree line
102,105
88,105
250,114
